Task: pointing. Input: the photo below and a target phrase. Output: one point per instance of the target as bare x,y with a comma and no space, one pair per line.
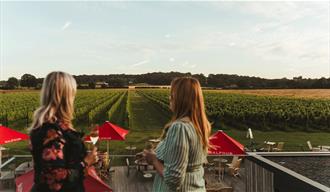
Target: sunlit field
296,93
290,116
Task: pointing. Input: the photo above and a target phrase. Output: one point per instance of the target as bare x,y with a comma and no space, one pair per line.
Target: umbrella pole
108,147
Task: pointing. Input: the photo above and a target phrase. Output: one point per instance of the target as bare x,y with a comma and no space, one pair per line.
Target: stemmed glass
94,135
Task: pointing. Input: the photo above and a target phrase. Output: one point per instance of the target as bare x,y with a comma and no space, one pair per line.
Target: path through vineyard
146,121
145,115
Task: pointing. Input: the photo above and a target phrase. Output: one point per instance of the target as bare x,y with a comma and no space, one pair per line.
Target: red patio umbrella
92,182
8,136
224,145
109,131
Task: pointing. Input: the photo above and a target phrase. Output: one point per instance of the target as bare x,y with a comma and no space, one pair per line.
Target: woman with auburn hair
57,149
178,158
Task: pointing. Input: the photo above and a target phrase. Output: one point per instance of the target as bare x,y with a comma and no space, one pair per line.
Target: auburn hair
56,100
187,101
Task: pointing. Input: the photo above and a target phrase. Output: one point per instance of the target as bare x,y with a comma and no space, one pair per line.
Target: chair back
309,145
238,163
106,161
235,158
280,145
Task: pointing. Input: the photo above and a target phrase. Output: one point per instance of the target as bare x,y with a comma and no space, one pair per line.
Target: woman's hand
91,157
150,156
151,159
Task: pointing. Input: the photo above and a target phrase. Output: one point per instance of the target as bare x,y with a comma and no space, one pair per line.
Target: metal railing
263,172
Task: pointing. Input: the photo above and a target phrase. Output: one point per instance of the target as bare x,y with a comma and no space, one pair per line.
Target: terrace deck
137,183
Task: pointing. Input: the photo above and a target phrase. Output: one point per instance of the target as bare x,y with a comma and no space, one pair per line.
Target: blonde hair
187,101
56,100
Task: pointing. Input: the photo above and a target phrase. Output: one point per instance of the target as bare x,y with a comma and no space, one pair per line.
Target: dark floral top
58,159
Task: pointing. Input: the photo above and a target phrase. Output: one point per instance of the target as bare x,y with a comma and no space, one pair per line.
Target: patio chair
233,162
234,170
105,170
209,166
263,147
310,147
279,147
129,166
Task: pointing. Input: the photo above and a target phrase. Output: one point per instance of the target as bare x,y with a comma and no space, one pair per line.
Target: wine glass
94,134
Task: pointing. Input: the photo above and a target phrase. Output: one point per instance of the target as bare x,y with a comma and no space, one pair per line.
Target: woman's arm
152,160
175,157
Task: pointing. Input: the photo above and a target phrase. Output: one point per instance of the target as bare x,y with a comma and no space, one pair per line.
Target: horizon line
205,74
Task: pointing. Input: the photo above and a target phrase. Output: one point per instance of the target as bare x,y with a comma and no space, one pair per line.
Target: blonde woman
58,152
179,156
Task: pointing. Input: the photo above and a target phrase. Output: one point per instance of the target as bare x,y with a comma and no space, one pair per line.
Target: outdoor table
147,175
131,149
142,163
324,147
221,164
270,145
154,142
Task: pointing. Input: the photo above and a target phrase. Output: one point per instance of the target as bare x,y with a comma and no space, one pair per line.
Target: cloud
66,25
232,44
140,63
193,66
167,36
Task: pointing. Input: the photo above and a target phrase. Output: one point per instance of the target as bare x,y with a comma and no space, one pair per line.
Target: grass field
295,93
146,119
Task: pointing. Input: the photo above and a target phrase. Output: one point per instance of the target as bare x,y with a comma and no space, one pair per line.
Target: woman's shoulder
181,126
182,123
43,129
46,132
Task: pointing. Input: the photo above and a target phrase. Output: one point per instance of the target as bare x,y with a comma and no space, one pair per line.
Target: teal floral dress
183,156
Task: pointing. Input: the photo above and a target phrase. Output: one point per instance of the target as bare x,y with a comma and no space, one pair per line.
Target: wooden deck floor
135,182
120,181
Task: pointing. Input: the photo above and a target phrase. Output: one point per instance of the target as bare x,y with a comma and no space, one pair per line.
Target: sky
259,38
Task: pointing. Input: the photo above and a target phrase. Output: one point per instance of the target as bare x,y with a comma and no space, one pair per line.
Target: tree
28,80
91,85
12,83
118,82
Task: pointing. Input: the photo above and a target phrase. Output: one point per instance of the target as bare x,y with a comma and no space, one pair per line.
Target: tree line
226,81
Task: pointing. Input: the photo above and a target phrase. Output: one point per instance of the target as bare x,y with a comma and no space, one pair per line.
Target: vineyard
233,110
259,112
145,111
91,107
